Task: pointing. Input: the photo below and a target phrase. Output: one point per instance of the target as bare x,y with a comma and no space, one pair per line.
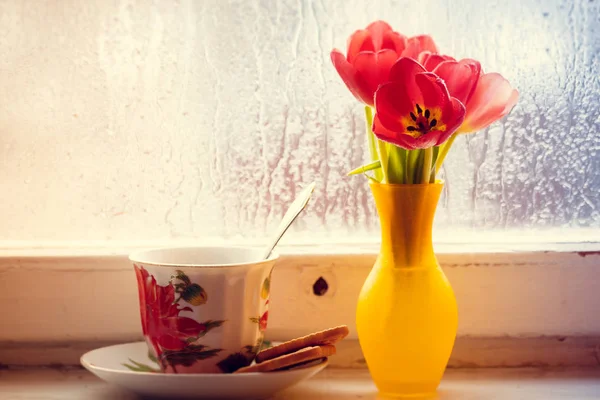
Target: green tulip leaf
365,168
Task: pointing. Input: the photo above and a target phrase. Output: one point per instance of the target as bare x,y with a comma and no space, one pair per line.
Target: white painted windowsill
332,384
518,306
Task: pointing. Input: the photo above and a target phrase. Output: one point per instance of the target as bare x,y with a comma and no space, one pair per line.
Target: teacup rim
136,257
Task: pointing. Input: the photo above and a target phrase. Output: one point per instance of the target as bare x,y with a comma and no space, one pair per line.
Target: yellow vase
406,315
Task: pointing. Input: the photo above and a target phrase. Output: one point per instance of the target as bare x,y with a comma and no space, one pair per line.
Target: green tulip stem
383,157
372,140
427,164
444,148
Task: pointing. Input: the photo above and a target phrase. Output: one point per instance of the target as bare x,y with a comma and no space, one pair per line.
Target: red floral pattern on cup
262,322
171,336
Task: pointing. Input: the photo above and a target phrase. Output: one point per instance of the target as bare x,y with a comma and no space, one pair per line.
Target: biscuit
301,356
327,337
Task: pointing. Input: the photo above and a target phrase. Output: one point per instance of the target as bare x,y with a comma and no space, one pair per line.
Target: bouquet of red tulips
417,101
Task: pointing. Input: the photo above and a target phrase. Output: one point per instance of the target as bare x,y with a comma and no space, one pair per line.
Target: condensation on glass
195,119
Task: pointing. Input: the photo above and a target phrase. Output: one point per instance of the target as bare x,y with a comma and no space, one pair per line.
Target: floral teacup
203,309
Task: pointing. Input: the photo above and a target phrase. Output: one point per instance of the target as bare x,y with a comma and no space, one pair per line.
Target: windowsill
333,384
455,243
510,292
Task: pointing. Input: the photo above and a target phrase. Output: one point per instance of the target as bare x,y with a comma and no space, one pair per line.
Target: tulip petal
374,68
428,140
492,99
431,61
417,44
351,78
395,100
453,115
360,40
423,56
406,142
394,41
378,30
380,129
460,77
393,136
434,91
404,70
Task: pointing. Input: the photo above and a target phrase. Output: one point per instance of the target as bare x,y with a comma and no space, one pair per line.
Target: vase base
406,390
426,395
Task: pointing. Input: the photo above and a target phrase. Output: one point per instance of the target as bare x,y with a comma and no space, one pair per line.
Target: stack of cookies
298,352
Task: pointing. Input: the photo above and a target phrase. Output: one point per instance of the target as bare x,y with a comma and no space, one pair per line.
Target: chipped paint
588,253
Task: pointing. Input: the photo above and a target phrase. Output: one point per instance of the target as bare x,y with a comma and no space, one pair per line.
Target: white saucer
107,364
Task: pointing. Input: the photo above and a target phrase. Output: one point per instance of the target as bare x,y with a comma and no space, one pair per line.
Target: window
145,122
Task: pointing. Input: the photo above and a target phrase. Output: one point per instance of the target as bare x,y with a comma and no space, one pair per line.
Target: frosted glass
145,120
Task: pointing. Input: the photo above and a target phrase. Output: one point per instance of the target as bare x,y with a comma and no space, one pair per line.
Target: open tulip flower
414,110
371,54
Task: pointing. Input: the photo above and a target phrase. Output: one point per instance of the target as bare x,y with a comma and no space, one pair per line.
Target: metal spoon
295,209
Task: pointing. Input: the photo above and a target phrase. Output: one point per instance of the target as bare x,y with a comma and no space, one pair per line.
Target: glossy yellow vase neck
406,215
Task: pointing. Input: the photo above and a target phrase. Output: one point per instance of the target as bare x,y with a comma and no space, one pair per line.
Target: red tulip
487,97
371,54
414,110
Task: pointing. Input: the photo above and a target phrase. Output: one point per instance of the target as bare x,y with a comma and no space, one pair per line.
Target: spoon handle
295,209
